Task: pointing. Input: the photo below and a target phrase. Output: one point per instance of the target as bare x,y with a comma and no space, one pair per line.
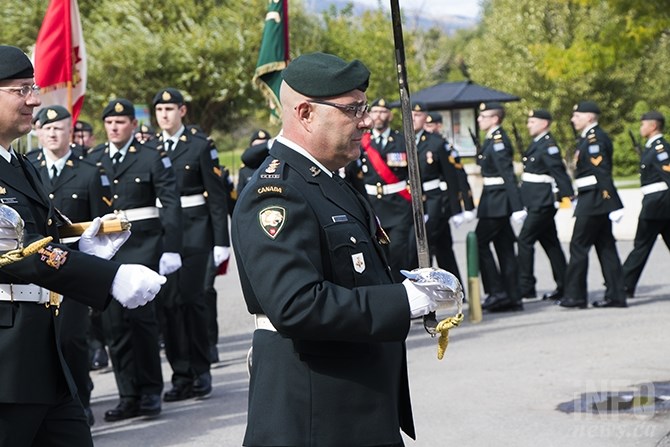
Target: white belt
536,178
654,187
583,182
146,212
31,293
434,184
493,181
391,188
186,201
263,322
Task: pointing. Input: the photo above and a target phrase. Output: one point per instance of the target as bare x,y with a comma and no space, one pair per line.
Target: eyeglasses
358,110
24,90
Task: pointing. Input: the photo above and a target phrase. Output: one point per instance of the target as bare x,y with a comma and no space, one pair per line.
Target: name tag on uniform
166,162
552,150
594,149
341,218
498,147
104,180
214,154
662,156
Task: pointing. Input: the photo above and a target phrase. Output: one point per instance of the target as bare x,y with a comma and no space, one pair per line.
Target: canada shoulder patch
272,220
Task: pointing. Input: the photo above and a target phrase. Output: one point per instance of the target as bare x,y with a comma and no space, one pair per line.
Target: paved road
499,384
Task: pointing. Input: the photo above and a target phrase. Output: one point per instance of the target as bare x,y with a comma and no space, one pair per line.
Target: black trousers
497,230
182,304
540,227
74,345
592,231
645,236
38,425
400,255
132,337
210,301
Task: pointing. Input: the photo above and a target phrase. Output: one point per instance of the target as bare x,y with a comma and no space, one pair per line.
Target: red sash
380,166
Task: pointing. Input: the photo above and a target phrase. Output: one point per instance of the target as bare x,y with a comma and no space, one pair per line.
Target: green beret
14,64
321,75
83,126
380,102
586,107
540,113
434,117
654,116
490,106
119,107
52,114
168,96
145,128
418,106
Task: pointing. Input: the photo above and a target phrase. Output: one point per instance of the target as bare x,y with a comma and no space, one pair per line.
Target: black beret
540,113
434,117
144,128
14,64
418,106
586,107
654,116
119,107
380,102
82,126
52,114
260,134
490,106
169,96
321,75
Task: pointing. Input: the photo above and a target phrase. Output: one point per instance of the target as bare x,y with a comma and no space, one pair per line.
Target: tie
116,160
168,145
15,162
54,174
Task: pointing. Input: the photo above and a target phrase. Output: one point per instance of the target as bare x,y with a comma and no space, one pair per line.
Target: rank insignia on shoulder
53,256
666,168
107,201
659,147
358,262
3,190
596,160
272,220
272,167
270,189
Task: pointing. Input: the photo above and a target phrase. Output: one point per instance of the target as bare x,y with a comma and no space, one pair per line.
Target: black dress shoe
529,295
555,295
213,354
100,359
507,307
494,300
90,419
571,303
609,303
202,386
150,405
630,293
126,409
179,392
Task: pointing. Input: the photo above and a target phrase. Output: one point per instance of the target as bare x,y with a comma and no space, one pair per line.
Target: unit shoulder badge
272,220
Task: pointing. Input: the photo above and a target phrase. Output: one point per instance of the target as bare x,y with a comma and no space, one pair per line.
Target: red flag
60,57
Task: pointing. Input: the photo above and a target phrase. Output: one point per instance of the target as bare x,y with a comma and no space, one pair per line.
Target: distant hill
424,19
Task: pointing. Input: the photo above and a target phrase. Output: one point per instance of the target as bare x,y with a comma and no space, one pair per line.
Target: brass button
116,181
74,196
137,179
49,222
116,196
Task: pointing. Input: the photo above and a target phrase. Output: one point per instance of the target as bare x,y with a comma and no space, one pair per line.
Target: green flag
273,55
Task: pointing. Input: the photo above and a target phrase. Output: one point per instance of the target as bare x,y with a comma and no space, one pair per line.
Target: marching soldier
544,183
500,199
384,167
81,192
38,405
655,214
598,205
139,175
204,206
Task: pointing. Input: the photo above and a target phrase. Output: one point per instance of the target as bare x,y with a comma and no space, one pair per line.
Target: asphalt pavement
501,381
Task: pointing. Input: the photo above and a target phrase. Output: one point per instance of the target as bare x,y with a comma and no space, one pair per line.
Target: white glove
616,215
169,263
11,228
102,245
221,254
420,302
519,216
469,215
458,219
135,285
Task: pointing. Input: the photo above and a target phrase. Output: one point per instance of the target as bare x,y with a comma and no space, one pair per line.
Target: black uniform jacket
32,368
655,167
594,157
392,209
144,175
543,157
335,373
81,192
196,164
495,160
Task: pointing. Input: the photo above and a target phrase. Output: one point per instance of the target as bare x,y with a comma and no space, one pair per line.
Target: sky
467,8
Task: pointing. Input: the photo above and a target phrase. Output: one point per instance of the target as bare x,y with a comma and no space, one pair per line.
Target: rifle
518,139
475,141
636,146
